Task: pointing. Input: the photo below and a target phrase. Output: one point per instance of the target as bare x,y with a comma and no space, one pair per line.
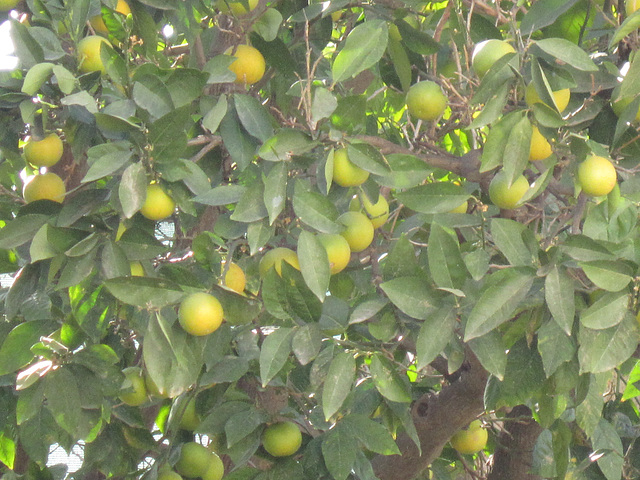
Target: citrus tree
276,239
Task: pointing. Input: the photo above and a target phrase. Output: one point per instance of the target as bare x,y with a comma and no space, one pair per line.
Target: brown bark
513,456
437,418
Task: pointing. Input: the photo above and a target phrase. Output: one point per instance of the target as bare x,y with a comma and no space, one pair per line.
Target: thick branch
437,418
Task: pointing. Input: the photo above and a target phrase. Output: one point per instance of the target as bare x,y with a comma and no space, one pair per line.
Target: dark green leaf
274,353
338,383
364,46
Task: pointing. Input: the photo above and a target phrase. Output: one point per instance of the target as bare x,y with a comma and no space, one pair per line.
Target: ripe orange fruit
426,101
597,176
45,186
44,153
200,314
486,53
338,251
561,97
359,231
282,439
470,440
345,173
273,258
249,65
89,54
540,148
504,196
157,204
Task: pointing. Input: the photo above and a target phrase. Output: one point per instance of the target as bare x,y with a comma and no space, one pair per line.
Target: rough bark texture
512,459
437,418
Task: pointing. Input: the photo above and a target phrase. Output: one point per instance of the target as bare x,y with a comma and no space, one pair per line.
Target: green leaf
240,146
242,424
435,333
490,350
543,462
508,237
27,49
607,311
15,351
406,171
251,207
229,369
555,346
523,375
314,264
323,105
583,248
316,210
500,297
144,292
36,77
268,24
20,230
222,195
306,343
559,295
445,262
151,94
211,120
285,144
401,63
606,439
387,380
368,158
602,350
412,296
416,40
7,451
63,400
364,46
608,275
439,197
275,190
132,190
567,52
254,117
274,353
493,108
630,25
339,452
338,383
373,435
401,261
367,309
516,150
106,159
543,13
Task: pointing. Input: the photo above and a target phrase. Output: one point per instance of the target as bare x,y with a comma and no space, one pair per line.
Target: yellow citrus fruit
194,460
235,278
239,9
345,173
359,231
620,104
471,440
98,23
44,153
249,65
273,258
6,5
597,176
462,208
631,6
540,148
190,418
338,251
134,391
46,186
215,470
200,314
378,212
169,475
89,53
426,101
561,97
152,387
486,53
157,204
137,270
282,439
504,196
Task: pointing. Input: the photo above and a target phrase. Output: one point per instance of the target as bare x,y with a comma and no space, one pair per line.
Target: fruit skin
378,212
620,104
338,251
200,314
45,186
44,153
274,258
488,52
462,208
6,5
561,97
359,231
249,65
169,475
540,147
137,270
152,387
235,278
135,377
190,418
282,439
215,470
597,176
631,6
470,441
237,8
426,101
98,23
157,204
507,197
89,54
345,173
194,460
